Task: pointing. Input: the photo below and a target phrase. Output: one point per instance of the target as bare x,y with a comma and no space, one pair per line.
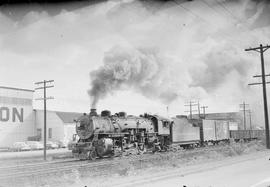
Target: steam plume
142,70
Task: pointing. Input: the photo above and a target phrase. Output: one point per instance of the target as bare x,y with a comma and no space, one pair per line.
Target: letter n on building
15,114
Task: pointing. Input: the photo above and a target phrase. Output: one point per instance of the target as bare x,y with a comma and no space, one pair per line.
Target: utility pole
44,98
244,110
191,104
204,107
199,110
250,124
261,49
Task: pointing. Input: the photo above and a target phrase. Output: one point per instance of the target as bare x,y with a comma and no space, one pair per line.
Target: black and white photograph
134,93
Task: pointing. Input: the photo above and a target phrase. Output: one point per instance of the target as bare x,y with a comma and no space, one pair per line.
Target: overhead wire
243,27
230,13
211,7
226,10
199,17
191,12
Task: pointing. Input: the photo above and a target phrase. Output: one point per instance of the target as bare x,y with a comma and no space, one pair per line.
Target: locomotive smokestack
93,112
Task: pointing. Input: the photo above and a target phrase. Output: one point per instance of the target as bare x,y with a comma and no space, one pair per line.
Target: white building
18,120
60,125
16,115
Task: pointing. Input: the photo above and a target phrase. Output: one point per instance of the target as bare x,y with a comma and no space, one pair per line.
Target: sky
137,56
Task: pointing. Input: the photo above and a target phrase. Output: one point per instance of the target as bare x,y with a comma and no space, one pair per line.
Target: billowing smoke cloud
217,65
143,70
213,62
200,51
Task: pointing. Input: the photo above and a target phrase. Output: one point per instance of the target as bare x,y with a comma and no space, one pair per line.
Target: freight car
108,135
247,134
215,131
190,132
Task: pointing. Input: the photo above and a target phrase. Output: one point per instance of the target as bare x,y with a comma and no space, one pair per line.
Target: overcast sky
199,47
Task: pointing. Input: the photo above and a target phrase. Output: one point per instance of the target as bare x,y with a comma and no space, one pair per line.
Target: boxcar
233,125
215,130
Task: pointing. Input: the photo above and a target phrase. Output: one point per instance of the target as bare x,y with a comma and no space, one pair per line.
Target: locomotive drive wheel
100,151
141,149
92,155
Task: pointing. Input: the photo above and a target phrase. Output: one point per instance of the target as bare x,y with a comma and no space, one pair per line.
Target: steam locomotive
109,135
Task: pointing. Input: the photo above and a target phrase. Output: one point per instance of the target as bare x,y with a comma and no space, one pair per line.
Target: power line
190,105
191,12
202,19
204,107
261,49
211,7
230,13
44,98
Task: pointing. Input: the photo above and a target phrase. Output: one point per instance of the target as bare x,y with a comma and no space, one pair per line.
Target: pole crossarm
258,48
257,83
39,88
261,75
42,82
190,105
47,98
241,105
192,111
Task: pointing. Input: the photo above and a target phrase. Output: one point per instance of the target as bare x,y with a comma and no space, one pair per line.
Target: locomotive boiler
109,135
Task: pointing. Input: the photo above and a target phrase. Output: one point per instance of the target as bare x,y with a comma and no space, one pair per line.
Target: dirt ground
137,166
25,157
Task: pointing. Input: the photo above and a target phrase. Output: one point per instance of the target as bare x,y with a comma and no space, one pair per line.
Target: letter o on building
4,114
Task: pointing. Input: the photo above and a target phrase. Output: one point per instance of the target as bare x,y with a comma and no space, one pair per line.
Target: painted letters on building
11,114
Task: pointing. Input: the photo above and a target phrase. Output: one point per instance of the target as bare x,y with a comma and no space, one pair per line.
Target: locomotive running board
114,134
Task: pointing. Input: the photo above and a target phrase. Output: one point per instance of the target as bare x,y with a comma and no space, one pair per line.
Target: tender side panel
184,132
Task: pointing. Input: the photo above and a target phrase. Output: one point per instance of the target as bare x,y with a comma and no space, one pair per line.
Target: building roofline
56,111
19,89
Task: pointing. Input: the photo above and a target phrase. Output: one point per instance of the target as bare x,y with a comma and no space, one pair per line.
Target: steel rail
49,168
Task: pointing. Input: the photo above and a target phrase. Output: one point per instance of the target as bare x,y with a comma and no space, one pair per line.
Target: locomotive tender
108,135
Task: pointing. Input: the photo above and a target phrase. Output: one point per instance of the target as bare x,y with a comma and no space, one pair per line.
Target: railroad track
45,168
48,168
